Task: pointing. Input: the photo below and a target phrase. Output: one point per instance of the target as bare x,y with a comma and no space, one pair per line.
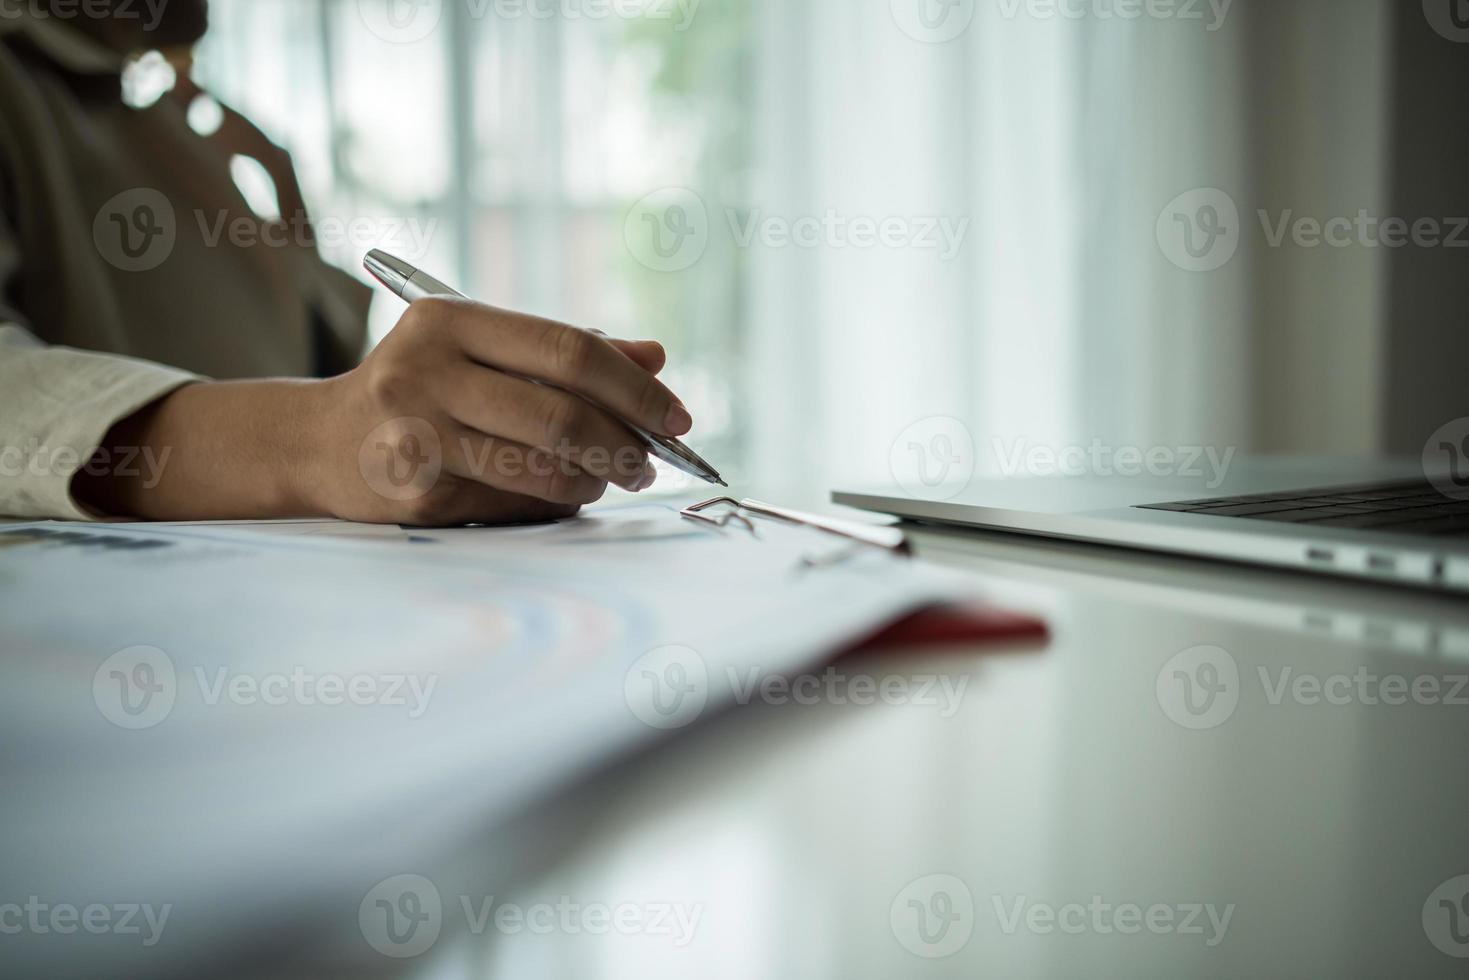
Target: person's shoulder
31,44
15,92
11,35
25,67
16,64
22,110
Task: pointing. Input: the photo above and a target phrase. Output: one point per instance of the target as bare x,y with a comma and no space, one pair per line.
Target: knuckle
430,313
652,403
570,350
389,384
562,487
423,511
565,418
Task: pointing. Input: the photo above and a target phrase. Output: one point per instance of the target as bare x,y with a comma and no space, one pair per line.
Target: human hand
439,426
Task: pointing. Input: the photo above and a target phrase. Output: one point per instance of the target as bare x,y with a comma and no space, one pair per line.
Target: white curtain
1062,322
1022,152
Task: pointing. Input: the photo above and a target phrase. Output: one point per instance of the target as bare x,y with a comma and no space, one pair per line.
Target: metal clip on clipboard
861,536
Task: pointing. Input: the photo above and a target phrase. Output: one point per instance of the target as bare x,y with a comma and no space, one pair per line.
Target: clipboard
724,512
938,625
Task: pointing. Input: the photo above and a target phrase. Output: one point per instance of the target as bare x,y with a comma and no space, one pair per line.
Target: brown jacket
116,285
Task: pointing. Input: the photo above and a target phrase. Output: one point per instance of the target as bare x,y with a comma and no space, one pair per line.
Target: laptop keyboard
1400,508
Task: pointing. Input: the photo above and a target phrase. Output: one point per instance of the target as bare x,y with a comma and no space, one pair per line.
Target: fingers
467,502
577,360
556,422
646,354
517,469
483,505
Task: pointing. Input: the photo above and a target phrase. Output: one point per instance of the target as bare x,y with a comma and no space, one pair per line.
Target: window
508,146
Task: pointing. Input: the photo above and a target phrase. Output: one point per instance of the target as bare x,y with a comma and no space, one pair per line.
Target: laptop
1380,520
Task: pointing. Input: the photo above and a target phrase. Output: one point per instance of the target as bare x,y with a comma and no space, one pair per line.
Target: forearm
212,451
438,426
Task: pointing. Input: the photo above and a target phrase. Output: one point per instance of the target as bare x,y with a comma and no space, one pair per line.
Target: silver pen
414,284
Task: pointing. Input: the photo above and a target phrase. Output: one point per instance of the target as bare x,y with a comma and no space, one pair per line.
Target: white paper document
216,715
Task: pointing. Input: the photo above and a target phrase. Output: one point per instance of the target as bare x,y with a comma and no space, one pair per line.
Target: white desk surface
1331,834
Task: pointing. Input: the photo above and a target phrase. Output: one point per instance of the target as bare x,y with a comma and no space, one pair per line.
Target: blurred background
1052,221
